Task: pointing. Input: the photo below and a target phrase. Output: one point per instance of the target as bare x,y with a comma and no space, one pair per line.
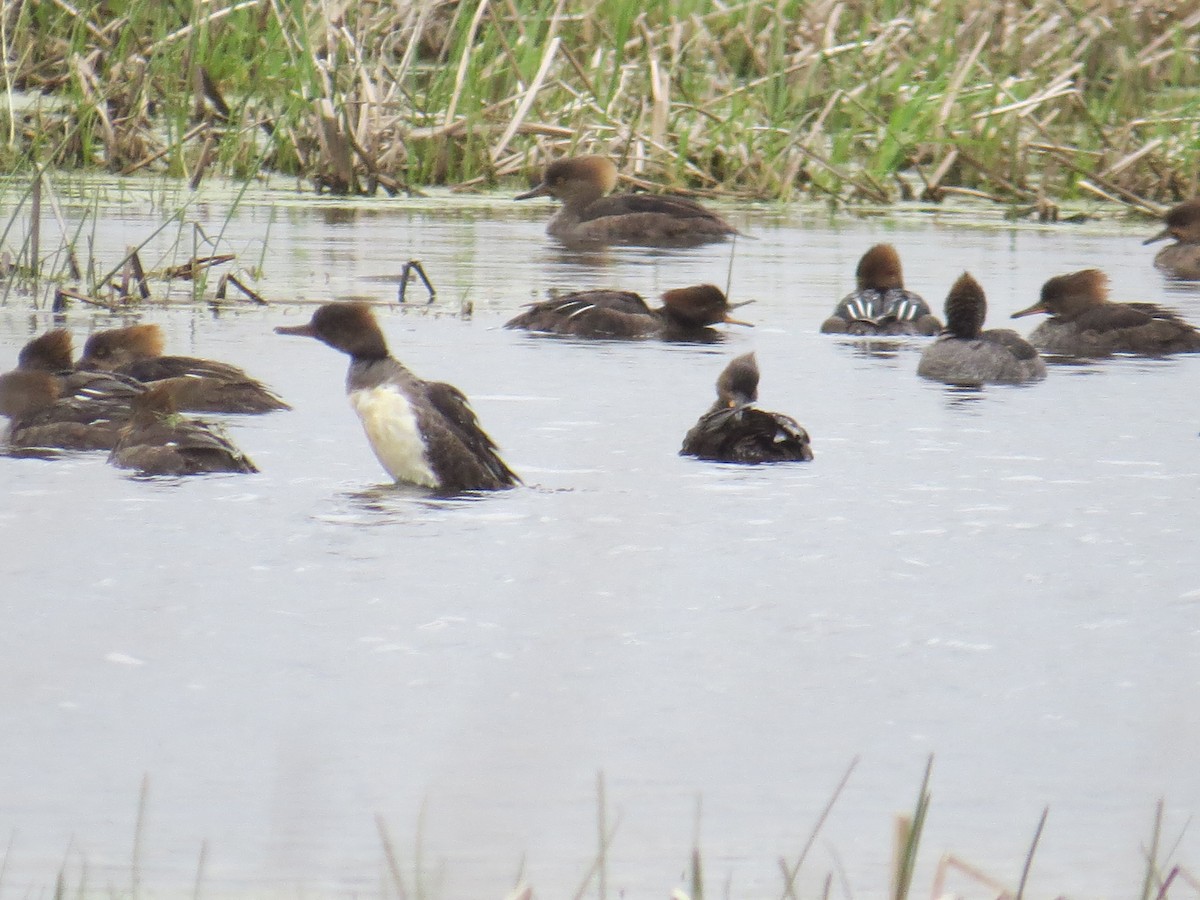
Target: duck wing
626,204
453,430
747,435
602,313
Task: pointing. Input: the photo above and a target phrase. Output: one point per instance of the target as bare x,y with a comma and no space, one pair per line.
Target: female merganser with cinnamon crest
966,354
158,441
1181,259
734,431
137,351
686,315
589,217
422,432
880,304
1084,322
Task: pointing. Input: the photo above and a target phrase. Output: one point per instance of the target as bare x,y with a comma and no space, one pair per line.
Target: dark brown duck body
880,305
686,314
422,432
1182,258
733,430
588,216
159,441
1084,322
967,354
210,386
53,407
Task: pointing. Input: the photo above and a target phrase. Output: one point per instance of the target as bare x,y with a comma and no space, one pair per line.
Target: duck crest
49,352
879,269
966,308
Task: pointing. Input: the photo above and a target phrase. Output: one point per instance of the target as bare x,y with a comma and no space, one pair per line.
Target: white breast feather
391,427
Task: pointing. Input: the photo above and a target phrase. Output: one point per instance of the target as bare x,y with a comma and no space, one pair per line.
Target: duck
735,431
157,440
1084,322
422,432
136,351
1181,259
686,314
880,305
588,216
43,418
965,354
51,406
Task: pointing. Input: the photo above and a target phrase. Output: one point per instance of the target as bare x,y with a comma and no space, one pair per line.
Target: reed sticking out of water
908,839
1025,104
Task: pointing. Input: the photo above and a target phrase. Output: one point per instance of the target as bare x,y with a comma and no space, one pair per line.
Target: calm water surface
1005,578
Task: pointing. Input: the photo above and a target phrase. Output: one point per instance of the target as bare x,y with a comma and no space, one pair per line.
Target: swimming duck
422,432
966,354
734,431
52,406
43,417
588,216
1083,322
880,304
136,351
1181,259
158,441
685,315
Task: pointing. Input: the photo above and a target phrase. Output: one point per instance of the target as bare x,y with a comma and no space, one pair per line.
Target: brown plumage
1181,259
734,431
686,314
588,216
136,351
158,441
43,417
967,354
880,305
1084,322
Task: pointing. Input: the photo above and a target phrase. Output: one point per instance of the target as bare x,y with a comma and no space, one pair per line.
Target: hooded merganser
136,351
734,431
685,315
1181,259
422,432
42,417
966,354
158,441
1085,323
588,216
880,304
52,406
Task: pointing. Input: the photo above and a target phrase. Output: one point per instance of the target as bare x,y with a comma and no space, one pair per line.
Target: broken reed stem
1037,836
389,852
790,872
1152,853
135,868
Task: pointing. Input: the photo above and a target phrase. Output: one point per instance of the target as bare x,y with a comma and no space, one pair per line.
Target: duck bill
1161,236
732,321
1030,311
305,330
541,190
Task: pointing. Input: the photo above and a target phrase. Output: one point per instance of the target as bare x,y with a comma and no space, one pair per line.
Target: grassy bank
1025,103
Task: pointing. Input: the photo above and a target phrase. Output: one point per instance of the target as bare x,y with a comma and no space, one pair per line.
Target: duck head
577,181
699,306
349,327
737,385
1182,223
49,352
108,350
1067,296
966,308
879,269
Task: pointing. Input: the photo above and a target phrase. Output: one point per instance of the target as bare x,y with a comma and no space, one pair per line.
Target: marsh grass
1022,103
412,879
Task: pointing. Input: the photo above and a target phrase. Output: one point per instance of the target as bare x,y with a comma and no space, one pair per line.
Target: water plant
1025,104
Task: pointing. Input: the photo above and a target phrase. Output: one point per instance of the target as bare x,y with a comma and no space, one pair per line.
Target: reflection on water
1004,577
